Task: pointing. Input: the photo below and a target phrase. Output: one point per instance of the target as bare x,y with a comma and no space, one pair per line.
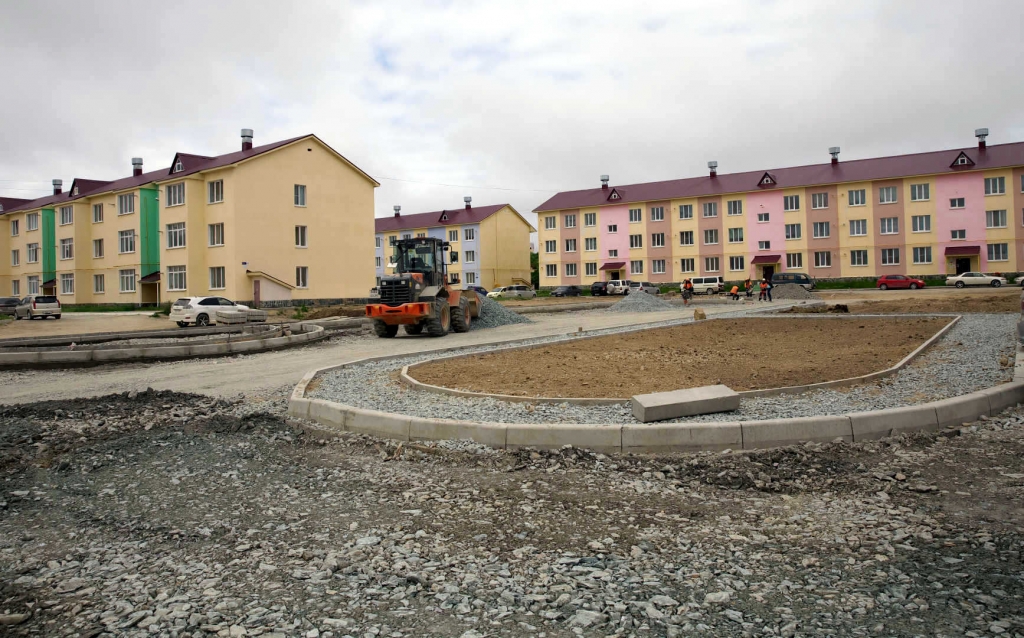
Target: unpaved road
72,323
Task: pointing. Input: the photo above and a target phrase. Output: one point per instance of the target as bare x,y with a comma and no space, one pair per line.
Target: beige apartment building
276,224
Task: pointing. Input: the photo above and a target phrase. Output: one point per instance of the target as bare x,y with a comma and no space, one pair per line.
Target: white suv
619,286
202,311
707,285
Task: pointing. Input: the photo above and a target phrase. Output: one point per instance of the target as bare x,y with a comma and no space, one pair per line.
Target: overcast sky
503,101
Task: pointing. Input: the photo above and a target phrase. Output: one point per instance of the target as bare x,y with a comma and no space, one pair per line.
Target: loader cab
423,256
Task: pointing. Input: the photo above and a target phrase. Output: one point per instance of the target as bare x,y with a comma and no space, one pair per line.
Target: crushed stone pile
493,315
791,291
641,302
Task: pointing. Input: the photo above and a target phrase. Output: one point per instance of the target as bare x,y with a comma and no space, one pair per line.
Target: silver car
517,291
41,306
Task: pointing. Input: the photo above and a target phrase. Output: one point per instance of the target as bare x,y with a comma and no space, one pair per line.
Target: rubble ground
165,514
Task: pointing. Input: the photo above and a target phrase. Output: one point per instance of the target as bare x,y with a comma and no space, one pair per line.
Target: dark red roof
613,265
86,186
423,220
10,203
936,162
963,250
766,259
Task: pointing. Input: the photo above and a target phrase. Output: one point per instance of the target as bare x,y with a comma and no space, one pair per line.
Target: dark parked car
600,289
479,289
566,291
886,282
797,278
8,304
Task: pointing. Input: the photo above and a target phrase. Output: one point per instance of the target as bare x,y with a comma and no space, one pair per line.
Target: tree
535,270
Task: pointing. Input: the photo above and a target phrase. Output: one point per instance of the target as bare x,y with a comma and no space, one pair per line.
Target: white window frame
126,204
999,252
590,219
470,278
794,260
15,257
453,236
822,259
551,245
958,234
636,215
636,266
15,287
299,199
857,197
763,218
176,235
684,235
921,223
551,270
67,215
790,203
32,253
995,186
888,225
213,233
67,248
302,277
550,223
734,207
922,250
710,209
686,211
590,244
97,213
657,266
215,192
177,278
636,241
67,283
737,262
957,203
713,235
570,221
32,285
821,230
590,269
613,252
571,270
125,238
712,264
995,219
859,258
888,195
570,246
860,226
469,234
657,240
794,231
819,201
470,256
613,229
15,227
658,214
920,192
126,280
31,222
764,244
889,257
687,261
174,195
735,235
217,275
301,236
97,248
377,262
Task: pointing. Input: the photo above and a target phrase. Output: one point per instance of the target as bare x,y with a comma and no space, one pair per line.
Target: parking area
72,323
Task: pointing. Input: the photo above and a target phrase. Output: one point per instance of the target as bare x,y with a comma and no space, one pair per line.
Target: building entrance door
256,293
963,264
612,274
767,272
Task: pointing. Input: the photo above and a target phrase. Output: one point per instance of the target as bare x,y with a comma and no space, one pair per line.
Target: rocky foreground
164,514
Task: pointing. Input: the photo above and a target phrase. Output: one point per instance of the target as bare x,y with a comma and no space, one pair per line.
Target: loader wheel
413,328
440,320
383,330
461,317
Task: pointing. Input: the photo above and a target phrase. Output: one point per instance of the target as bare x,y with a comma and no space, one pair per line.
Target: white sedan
202,311
975,279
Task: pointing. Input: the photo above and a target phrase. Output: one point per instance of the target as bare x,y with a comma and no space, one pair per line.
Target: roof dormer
962,161
767,180
615,195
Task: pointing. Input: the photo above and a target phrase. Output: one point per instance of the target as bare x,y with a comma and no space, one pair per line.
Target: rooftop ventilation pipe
136,166
604,182
834,152
56,186
981,134
398,211
468,201
713,166
247,139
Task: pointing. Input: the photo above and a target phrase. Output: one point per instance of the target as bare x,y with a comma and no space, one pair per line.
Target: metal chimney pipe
981,134
136,166
713,166
56,186
468,201
247,139
398,211
604,182
834,151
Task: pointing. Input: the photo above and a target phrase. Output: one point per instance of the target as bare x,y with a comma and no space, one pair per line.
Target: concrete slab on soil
661,406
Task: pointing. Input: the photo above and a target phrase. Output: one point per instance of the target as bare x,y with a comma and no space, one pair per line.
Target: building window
176,235
453,257
175,195
15,228
711,209
887,195
453,277
470,256
636,215
126,204
657,240
302,277
377,262
657,266
469,234
921,223
734,207
33,284
32,221
998,252
570,221
735,235
794,260
551,246
176,278
890,256
590,219
995,219
570,246
178,167
686,210
710,236
819,200
16,288
67,283
421,234
551,270
820,230
300,237
570,270
957,202
658,214
958,234
857,198
127,279
549,223
823,259
858,258
15,257
686,265
590,268
890,225
471,278
300,196
794,231
33,253
215,190
590,243
764,245
97,248
763,218
858,227
920,192
67,215
613,252
636,241
737,263
923,255
995,185
453,235
126,241
97,213
216,233
613,228
791,202
217,278
636,267
686,238
67,248
711,264
378,242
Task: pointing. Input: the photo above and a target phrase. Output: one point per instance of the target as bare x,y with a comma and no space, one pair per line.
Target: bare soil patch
744,354
948,303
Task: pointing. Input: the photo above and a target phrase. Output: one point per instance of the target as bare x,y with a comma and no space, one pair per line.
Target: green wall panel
49,246
149,232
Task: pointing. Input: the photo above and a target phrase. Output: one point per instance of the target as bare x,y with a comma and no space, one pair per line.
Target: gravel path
965,360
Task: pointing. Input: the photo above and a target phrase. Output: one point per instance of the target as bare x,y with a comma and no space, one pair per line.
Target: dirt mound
336,311
835,309
955,302
790,292
493,315
641,302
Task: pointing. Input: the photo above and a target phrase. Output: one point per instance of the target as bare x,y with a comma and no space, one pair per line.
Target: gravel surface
641,302
493,315
176,515
970,357
790,292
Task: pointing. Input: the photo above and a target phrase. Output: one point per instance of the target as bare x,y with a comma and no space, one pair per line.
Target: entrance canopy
613,265
766,259
965,251
151,278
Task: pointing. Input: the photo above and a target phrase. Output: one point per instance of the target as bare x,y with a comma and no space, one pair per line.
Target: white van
707,285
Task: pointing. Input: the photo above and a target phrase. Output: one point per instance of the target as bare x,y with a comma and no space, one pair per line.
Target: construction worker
747,286
735,293
687,291
763,295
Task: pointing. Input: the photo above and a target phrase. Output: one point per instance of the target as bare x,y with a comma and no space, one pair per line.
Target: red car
886,282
